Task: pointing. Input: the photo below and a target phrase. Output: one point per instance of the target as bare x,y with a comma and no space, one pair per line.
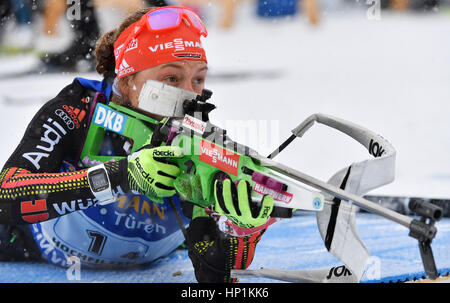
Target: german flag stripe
38,179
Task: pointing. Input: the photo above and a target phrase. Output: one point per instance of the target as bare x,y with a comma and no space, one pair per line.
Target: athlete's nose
187,85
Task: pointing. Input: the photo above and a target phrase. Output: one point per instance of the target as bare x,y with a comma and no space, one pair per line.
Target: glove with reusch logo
150,172
235,203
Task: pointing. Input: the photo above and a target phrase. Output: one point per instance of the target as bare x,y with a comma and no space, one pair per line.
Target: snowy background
391,75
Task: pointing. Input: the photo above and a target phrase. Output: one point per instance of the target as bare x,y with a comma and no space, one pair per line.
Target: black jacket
32,186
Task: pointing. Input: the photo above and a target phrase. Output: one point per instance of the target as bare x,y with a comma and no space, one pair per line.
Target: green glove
235,203
151,174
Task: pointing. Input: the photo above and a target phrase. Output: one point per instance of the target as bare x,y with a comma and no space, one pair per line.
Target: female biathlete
55,205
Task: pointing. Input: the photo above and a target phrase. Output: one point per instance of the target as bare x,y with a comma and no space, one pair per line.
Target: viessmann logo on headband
178,44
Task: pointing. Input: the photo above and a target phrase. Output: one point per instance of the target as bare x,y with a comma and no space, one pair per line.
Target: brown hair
104,51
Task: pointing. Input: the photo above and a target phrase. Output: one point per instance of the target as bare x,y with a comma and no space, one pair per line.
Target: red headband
151,48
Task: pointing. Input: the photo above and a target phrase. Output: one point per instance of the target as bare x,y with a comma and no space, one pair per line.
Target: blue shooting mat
290,244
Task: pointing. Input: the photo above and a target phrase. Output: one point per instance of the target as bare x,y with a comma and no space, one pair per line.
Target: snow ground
391,76
292,244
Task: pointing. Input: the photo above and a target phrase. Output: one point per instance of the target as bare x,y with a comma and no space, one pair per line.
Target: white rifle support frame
337,223
343,191
359,178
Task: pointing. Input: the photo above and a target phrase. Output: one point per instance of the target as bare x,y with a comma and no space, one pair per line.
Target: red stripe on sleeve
239,253
251,249
37,179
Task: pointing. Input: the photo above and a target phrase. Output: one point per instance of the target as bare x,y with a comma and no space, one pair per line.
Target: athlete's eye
199,81
171,79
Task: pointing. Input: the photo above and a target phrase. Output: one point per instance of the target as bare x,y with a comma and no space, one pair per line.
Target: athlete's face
185,74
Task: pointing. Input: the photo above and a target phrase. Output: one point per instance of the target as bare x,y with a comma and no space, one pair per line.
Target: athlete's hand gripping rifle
209,154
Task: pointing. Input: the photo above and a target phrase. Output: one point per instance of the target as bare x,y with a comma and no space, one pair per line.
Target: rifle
209,154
